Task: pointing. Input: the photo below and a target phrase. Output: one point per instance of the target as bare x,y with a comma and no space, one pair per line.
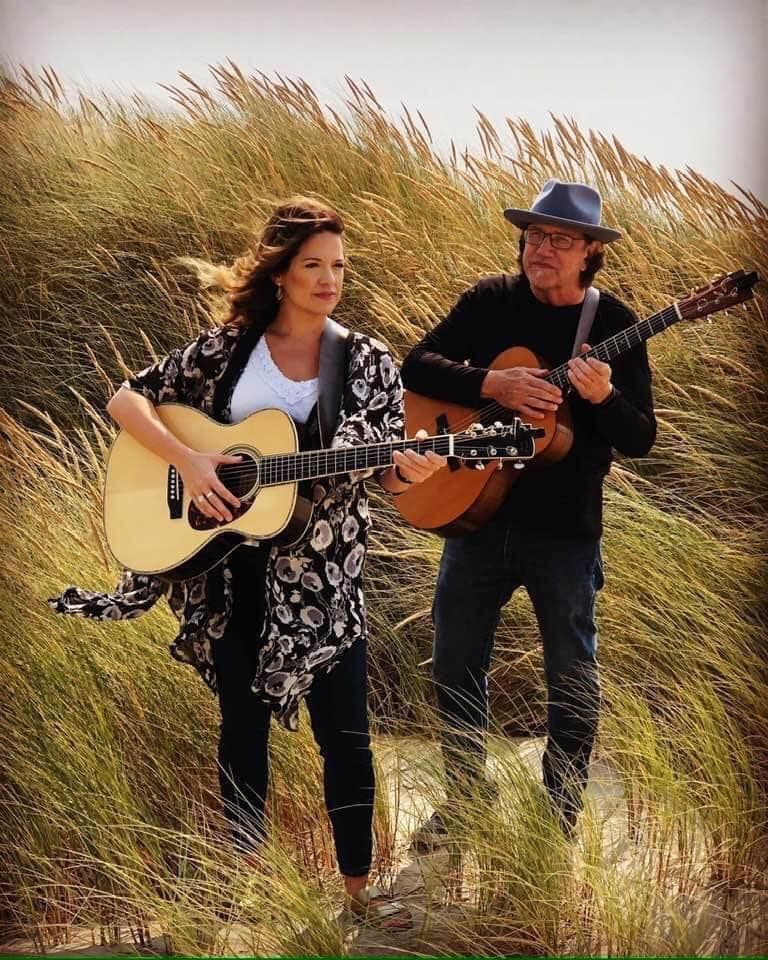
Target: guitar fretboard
619,343
309,464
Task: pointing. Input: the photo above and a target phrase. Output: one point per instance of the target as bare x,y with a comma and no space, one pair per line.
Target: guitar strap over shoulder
586,319
332,376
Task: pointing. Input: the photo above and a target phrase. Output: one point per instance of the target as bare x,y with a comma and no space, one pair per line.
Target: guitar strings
275,462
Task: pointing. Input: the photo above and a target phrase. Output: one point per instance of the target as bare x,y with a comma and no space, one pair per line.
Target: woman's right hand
198,472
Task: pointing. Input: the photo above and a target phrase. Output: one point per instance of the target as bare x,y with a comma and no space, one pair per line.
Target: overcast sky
682,82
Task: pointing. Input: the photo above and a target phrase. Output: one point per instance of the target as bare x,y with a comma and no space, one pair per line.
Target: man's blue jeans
478,574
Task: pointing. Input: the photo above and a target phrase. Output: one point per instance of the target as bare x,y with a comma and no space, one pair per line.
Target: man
546,537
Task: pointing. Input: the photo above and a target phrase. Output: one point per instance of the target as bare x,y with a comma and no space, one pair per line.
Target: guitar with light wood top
152,526
456,500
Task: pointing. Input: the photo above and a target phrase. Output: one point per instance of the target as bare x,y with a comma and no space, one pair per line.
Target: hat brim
522,219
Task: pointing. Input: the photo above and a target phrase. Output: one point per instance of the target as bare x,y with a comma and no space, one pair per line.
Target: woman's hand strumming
198,471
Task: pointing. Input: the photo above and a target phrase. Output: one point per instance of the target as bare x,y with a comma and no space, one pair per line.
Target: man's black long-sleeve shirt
452,360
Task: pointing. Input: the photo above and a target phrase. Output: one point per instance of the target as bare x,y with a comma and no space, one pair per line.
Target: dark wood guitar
462,498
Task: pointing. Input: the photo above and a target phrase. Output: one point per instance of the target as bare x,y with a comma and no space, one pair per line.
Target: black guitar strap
334,345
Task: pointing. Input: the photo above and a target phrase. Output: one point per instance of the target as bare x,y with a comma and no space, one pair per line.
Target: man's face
545,261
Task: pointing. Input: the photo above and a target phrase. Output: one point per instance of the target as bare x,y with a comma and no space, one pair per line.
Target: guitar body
459,498
151,524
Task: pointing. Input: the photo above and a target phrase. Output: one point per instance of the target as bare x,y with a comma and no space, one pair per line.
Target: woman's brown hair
249,283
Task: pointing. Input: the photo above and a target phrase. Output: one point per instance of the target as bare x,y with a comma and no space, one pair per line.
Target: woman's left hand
417,467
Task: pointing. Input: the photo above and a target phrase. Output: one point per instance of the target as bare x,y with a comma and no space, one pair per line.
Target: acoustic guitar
456,500
152,526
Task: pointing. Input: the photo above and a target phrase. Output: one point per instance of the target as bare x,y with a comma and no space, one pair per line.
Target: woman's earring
279,292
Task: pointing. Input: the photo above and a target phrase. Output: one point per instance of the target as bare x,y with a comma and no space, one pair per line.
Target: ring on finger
209,495
200,497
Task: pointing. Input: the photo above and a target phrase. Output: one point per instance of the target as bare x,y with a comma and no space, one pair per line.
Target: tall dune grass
107,777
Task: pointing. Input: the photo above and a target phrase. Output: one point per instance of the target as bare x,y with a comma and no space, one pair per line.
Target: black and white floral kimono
313,590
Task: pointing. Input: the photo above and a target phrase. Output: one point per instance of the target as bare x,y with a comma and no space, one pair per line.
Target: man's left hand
591,378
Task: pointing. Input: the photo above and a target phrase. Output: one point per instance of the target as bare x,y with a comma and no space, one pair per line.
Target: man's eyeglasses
559,241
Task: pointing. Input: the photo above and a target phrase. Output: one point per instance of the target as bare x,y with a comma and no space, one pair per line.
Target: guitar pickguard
199,521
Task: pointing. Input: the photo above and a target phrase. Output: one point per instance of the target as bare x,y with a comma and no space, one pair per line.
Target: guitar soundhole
242,479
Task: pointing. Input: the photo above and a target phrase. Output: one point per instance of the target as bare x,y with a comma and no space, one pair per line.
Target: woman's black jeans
338,709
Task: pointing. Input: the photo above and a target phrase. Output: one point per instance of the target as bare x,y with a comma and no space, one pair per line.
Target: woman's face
315,276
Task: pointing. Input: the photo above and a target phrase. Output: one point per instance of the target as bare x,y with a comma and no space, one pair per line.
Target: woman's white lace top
262,384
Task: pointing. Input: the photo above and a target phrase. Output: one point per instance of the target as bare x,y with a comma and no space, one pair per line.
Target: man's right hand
198,472
523,390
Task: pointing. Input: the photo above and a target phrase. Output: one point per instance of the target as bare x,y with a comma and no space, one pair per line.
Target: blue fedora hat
572,205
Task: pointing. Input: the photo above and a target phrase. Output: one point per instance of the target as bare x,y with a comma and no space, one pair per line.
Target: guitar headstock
724,292
497,441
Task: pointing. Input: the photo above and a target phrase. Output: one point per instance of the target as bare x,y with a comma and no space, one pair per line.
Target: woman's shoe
372,905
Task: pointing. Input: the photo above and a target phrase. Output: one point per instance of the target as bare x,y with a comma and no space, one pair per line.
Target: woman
303,635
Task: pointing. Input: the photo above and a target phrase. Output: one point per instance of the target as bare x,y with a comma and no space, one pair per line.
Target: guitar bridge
174,494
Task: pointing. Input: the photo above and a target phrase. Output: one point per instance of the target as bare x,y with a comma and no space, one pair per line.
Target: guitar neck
311,464
620,342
